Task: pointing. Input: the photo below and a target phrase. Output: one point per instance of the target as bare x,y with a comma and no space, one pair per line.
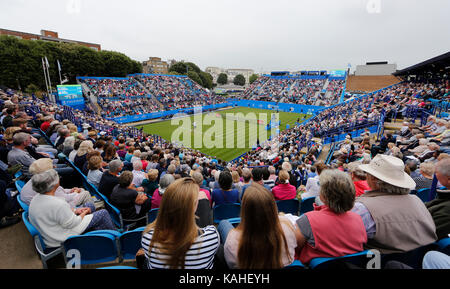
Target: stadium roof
435,64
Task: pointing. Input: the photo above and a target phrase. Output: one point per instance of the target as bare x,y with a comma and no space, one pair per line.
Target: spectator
439,208
150,184
358,178
312,184
263,239
81,156
284,190
395,220
138,174
225,194
181,243
110,178
125,197
331,230
425,179
75,197
53,217
164,182
94,175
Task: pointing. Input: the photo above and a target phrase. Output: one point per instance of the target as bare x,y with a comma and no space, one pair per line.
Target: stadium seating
130,243
44,253
358,259
289,206
307,205
226,211
93,247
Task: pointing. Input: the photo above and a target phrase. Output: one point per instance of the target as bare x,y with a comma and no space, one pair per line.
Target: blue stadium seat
307,205
358,259
24,206
19,185
94,248
226,211
151,216
44,252
289,206
295,265
130,243
444,246
423,194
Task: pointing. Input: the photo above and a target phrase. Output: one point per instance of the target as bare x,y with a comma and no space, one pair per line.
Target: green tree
179,67
206,79
252,78
195,77
239,80
222,79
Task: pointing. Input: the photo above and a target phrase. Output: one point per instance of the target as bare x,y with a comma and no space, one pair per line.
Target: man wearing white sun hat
395,220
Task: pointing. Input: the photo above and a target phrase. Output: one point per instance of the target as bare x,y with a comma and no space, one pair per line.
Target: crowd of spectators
295,90
362,200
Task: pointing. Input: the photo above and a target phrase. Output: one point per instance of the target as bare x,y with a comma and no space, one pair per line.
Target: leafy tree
179,67
253,77
206,79
239,80
21,62
222,79
195,77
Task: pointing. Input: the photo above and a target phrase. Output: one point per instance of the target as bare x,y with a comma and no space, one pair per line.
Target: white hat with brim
389,169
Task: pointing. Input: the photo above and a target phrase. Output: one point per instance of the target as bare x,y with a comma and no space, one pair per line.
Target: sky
263,35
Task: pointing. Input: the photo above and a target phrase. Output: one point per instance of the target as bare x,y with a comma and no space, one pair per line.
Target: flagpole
45,76
59,69
49,81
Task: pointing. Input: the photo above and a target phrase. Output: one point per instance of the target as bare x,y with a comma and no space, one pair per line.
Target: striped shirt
199,256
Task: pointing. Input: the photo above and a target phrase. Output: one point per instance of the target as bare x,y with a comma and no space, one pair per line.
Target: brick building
155,66
47,35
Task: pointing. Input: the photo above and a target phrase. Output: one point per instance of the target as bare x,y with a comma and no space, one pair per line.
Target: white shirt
138,177
55,220
312,188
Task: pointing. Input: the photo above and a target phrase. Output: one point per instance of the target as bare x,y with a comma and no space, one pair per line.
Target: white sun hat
389,169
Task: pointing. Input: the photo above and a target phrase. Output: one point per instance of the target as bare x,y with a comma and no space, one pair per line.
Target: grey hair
166,180
427,168
20,138
354,169
338,190
388,188
137,165
44,182
115,165
272,170
443,167
69,141
286,166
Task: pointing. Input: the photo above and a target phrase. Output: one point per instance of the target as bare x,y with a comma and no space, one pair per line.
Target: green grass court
226,142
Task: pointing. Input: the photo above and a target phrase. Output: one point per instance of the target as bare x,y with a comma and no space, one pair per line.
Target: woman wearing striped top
173,240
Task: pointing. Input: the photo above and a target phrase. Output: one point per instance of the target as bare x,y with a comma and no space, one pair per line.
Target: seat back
114,213
289,206
94,249
411,258
444,246
37,238
19,185
424,195
152,215
307,205
359,259
226,211
24,206
130,243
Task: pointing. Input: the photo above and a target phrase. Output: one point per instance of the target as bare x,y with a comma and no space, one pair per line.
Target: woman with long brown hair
173,240
263,239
